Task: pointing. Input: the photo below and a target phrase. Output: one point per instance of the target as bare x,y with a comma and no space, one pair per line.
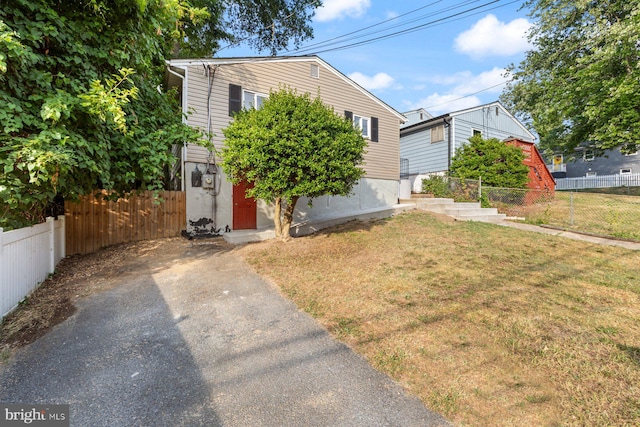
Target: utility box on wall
208,181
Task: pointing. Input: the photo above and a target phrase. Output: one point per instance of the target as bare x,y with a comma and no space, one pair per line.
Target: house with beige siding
212,90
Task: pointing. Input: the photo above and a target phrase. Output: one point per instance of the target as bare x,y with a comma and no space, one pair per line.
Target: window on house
588,174
625,171
315,71
368,125
437,133
477,132
364,124
252,100
589,155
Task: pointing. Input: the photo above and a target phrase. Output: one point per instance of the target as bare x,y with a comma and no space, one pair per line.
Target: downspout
184,120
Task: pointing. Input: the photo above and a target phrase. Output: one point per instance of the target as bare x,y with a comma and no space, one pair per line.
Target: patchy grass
610,214
490,326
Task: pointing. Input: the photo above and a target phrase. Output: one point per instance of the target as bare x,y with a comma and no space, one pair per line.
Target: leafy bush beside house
496,163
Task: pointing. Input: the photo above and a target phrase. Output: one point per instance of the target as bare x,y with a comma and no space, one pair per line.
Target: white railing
27,256
601,181
557,167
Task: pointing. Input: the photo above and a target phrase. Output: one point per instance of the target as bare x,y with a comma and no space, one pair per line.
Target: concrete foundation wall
210,211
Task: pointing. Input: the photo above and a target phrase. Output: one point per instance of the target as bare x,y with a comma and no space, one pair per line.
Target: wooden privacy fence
94,222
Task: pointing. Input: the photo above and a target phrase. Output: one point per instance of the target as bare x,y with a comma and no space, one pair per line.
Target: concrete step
461,211
468,210
427,200
481,218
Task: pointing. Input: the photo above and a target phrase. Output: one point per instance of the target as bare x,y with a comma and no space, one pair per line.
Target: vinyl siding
501,126
609,163
424,156
413,117
382,158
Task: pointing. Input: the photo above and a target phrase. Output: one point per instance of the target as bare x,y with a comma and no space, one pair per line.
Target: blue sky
439,67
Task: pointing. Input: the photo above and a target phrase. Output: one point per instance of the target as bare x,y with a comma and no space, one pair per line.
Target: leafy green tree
499,164
581,82
265,25
293,146
81,105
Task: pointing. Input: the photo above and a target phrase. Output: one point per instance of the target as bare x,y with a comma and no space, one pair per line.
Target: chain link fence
615,215
597,213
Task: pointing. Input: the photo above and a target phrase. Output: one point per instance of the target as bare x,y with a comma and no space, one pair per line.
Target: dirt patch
83,275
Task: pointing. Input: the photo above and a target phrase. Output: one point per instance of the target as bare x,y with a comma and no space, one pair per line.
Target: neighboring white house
427,146
211,90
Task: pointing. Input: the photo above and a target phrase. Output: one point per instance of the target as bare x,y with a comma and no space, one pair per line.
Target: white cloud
491,37
392,14
485,80
461,91
338,9
437,104
378,82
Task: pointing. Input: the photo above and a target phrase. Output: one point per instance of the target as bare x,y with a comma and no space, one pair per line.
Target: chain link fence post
571,209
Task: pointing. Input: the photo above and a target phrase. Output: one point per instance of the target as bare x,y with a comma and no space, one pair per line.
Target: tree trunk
277,218
287,218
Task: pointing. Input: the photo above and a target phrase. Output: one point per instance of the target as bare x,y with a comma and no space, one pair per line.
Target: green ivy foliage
80,107
293,146
499,164
81,99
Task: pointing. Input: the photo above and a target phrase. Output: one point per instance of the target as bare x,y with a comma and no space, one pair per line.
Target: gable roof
439,119
180,63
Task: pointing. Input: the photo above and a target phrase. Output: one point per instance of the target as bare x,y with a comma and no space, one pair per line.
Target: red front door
244,208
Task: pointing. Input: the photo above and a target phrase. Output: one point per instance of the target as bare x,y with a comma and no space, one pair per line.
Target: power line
439,21
466,96
369,27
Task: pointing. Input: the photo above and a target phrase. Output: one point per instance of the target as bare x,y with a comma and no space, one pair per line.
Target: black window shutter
374,129
348,115
235,99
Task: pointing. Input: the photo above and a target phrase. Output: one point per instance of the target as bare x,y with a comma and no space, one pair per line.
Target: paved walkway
192,337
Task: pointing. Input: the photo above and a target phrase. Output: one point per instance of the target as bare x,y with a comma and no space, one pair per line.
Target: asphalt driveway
188,335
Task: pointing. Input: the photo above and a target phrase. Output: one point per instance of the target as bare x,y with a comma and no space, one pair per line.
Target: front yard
489,326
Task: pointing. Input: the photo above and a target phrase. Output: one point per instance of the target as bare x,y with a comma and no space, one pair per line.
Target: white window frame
626,171
250,99
589,155
474,131
591,174
432,131
358,123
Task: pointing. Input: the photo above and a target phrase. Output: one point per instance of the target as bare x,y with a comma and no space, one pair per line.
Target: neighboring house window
626,171
315,71
367,125
437,133
591,174
477,132
589,155
253,100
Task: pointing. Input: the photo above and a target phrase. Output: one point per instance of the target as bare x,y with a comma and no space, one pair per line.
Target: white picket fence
27,257
600,181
